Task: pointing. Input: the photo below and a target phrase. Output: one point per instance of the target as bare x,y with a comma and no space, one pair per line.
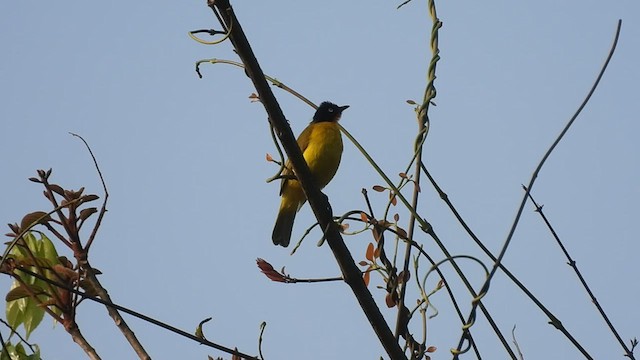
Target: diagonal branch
317,200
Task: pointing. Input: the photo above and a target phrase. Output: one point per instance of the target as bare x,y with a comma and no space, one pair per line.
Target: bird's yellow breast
323,151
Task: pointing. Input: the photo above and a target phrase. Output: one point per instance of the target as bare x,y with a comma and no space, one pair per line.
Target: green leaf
48,250
17,293
15,310
7,351
33,317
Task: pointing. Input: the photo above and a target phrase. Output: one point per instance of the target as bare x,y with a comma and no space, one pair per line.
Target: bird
321,146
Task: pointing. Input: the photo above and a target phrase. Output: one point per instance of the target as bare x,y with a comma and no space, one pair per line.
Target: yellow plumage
321,146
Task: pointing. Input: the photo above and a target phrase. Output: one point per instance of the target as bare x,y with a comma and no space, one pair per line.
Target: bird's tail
284,225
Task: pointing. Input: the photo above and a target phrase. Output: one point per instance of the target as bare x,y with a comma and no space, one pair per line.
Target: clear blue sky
183,158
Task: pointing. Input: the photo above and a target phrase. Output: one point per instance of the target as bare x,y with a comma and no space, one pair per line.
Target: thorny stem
572,263
530,186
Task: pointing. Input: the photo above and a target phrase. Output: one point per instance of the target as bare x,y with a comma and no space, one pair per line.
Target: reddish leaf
403,277
369,253
392,197
401,233
376,253
29,219
403,175
269,271
269,157
379,188
364,217
254,97
363,263
396,217
366,277
57,189
85,213
389,300
431,349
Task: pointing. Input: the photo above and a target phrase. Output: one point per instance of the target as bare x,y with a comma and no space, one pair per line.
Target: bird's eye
330,110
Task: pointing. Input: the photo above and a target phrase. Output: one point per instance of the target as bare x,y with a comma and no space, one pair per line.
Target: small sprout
364,217
269,158
403,175
411,102
199,333
396,217
254,97
379,188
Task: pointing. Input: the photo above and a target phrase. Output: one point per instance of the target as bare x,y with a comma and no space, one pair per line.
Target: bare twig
142,317
572,263
532,181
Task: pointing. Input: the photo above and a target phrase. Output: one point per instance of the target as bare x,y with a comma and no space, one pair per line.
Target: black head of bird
328,112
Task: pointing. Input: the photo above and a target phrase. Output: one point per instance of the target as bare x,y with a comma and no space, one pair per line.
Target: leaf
22,291
393,199
13,310
396,217
363,263
389,300
379,188
85,213
431,349
403,175
57,189
38,217
344,227
90,197
411,102
369,253
366,277
403,277
364,217
269,157
269,271
376,253
48,250
402,233
33,317
254,97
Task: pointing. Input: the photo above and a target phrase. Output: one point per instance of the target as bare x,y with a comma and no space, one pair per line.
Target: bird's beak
343,108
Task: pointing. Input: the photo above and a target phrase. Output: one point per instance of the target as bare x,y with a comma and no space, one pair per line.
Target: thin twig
572,263
552,318
141,316
103,210
535,175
